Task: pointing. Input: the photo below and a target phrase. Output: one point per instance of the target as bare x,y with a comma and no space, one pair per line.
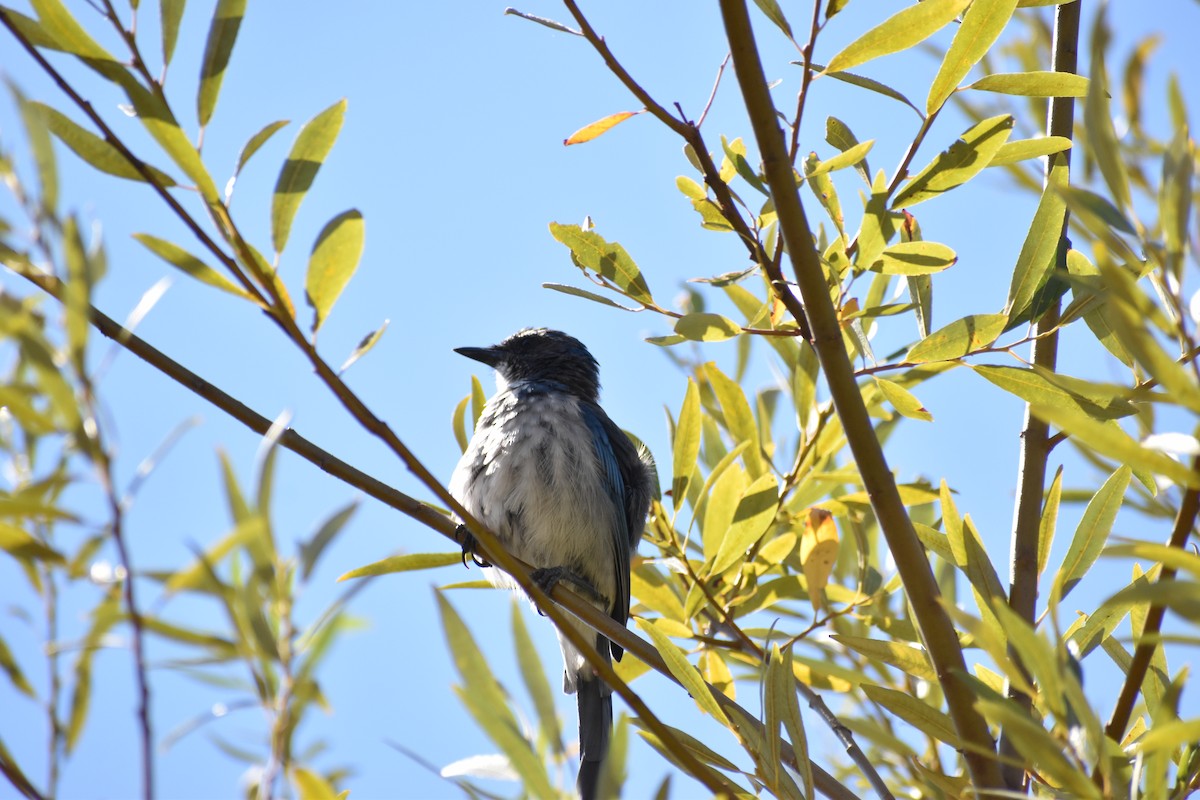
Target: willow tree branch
937,632
1036,442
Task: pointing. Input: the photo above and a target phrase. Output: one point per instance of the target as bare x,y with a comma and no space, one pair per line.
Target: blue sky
452,150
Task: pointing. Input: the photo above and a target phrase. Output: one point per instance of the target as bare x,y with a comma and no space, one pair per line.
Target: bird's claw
464,537
546,578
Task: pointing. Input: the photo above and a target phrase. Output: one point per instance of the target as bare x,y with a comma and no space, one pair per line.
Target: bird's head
540,354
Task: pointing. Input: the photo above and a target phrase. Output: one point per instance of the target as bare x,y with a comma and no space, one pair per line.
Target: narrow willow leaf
600,126
24,546
33,116
94,150
705,327
735,152
311,550
478,401
826,193
16,677
156,117
1175,196
819,545
1108,439
711,217
222,34
684,672
364,346
32,30
404,563
981,26
752,517
739,419
534,676
1049,521
915,258
549,23
1039,251
864,82
958,339
104,617
686,448
963,160
58,23
1098,127
1034,387
901,31
78,291
904,401
170,15
908,659
1039,748
575,291
607,259
849,157
189,264
312,786
334,259
915,712
486,701
1168,736
1034,84
1023,149
1092,532
838,134
257,141
775,14
309,151
691,190
459,423
878,224
719,506
1089,204
1084,279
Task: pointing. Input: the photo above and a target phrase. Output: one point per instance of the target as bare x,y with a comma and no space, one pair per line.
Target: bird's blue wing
603,429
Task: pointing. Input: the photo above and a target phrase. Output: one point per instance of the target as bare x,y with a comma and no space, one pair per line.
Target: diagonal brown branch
934,625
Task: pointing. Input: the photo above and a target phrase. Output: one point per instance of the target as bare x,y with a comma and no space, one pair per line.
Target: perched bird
566,491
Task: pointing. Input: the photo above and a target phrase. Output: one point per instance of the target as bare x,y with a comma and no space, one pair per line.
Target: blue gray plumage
566,491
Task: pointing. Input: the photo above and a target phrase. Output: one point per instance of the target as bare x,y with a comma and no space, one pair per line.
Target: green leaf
584,293
1107,439
1092,533
404,563
312,786
1034,84
904,401
1098,128
364,346
963,160
308,153
67,33
752,517
20,544
775,14
13,670
104,617
157,119
607,259
908,659
686,447
1049,521
33,116
310,551
719,506
78,291
915,712
1040,250
1175,196
94,150
1023,149
257,141
1168,556
1047,388
899,32
170,15
684,672
534,676
179,258
739,419
711,217
691,190
826,193
333,261
838,134
915,258
869,84
704,327
487,703
222,35
459,423
981,26
1039,748
851,156
958,339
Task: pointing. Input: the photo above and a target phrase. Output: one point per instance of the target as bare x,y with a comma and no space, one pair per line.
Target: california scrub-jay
566,491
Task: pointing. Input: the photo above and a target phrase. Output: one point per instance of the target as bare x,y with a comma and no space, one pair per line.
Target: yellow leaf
600,126
818,552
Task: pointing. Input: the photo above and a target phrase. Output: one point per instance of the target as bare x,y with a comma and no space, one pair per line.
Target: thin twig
937,632
713,94
806,53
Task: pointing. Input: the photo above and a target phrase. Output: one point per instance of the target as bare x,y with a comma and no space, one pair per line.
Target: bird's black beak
486,355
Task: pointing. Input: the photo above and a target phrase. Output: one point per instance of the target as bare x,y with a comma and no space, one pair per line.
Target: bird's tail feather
594,699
